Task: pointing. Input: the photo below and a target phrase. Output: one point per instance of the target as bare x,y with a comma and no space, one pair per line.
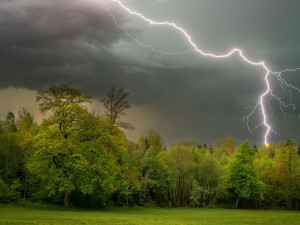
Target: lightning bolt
263,102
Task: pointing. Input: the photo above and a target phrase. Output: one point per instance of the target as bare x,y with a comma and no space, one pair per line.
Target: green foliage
78,162
243,178
182,174
77,157
58,98
211,180
227,145
9,192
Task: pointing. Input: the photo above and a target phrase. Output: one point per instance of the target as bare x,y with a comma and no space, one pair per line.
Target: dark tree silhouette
115,103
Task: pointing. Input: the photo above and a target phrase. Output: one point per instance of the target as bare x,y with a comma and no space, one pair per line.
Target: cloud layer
71,41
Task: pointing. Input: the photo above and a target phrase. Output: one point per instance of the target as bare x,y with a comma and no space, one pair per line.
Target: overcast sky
49,42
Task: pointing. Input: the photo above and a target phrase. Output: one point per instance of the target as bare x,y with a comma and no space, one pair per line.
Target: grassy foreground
144,216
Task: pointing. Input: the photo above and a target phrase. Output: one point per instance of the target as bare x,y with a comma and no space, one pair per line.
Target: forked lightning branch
263,101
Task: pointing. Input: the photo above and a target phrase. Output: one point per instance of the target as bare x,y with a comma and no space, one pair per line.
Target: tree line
77,158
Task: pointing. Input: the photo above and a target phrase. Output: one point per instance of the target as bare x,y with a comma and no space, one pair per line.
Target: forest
77,158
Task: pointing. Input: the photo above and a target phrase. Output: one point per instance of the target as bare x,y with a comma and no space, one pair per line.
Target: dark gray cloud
73,41
40,41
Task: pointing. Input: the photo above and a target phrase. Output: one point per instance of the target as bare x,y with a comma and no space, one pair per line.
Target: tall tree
149,146
286,164
73,132
183,174
227,144
243,178
116,103
10,121
65,103
10,159
26,130
211,180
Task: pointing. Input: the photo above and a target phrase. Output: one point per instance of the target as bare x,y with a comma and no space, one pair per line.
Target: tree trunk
169,198
145,185
26,184
7,157
237,203
178,191
183,192
297,204
288,202
272,202
66,199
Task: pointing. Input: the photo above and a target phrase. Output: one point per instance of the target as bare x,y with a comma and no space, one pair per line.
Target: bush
10,192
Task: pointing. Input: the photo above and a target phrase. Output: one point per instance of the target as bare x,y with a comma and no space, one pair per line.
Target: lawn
145,216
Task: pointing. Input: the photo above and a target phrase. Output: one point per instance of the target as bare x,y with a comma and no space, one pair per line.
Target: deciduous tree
243,178
116,103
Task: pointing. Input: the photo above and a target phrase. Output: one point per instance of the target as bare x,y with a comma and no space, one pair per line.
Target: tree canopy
77,158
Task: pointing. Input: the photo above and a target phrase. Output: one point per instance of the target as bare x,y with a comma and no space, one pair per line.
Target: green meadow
145,216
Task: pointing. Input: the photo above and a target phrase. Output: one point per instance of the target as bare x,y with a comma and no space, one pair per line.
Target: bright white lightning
261,101
142,44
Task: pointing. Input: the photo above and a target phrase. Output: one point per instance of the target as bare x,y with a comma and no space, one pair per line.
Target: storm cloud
47,42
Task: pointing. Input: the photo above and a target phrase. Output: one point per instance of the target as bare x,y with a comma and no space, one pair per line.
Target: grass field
145,216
